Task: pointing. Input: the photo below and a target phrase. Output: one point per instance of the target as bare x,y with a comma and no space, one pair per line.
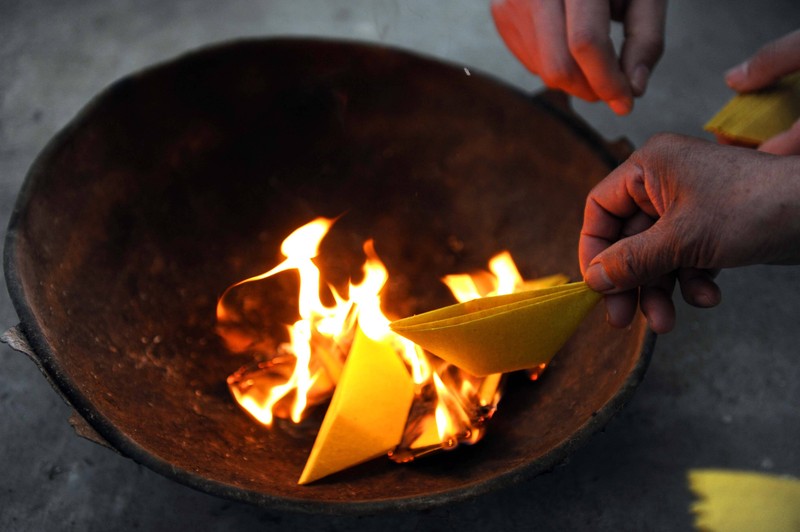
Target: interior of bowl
179,181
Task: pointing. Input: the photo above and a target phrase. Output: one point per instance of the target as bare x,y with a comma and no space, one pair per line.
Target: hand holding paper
753,118
681,208
766,112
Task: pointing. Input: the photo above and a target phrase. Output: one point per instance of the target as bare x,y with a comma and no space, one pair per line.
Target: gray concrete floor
722,390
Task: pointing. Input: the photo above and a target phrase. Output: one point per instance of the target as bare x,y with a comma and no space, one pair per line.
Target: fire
299,248
465,402
506,280
450,405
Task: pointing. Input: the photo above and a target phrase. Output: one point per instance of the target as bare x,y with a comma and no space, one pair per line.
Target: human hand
767,66
567,43
683,208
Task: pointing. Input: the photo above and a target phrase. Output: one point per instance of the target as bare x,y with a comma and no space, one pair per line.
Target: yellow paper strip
478,308
368,411
502,333
735,501
754,117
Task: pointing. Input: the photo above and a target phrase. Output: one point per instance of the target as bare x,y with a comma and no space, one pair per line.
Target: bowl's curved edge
121,442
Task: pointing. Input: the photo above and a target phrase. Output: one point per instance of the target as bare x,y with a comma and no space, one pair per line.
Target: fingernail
737,75
641,74
703,299
621,106
706,298
597,278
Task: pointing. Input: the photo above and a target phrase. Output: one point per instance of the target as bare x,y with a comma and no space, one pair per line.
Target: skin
773,61
680,209
568,44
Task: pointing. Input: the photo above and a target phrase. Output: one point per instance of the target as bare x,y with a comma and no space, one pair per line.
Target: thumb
633,261
773,61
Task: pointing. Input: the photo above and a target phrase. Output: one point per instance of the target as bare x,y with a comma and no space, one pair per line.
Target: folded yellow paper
368,410
742,501
754,117
543,282
502,333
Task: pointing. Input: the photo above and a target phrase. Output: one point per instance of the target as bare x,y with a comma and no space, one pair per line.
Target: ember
373,412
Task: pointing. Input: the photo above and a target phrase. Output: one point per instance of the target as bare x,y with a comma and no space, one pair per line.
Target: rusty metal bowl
180,180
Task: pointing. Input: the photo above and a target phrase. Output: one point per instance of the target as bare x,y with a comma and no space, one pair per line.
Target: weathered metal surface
178,181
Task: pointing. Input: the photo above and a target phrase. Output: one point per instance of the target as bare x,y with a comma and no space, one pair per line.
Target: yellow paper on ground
742,501
754,117
502,333
368,411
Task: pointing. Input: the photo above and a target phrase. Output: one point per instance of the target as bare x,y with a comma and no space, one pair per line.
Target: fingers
610,204
655,299
679,207
536,34
621,308
786,143
656,303
641,221
634,261
698,287
773,61
568,44
514,22
768,65
558,69
587,25
644,41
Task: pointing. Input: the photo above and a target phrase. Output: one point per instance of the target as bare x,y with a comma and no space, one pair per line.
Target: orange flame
299,248
318,326
463,402
451,405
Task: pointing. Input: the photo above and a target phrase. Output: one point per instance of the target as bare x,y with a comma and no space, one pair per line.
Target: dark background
722,390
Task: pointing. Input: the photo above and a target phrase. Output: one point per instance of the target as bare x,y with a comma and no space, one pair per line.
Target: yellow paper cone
755,117
502,333
368,411
743,501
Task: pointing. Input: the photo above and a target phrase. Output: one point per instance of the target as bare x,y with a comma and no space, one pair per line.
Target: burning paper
502,333
389,396
318,340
